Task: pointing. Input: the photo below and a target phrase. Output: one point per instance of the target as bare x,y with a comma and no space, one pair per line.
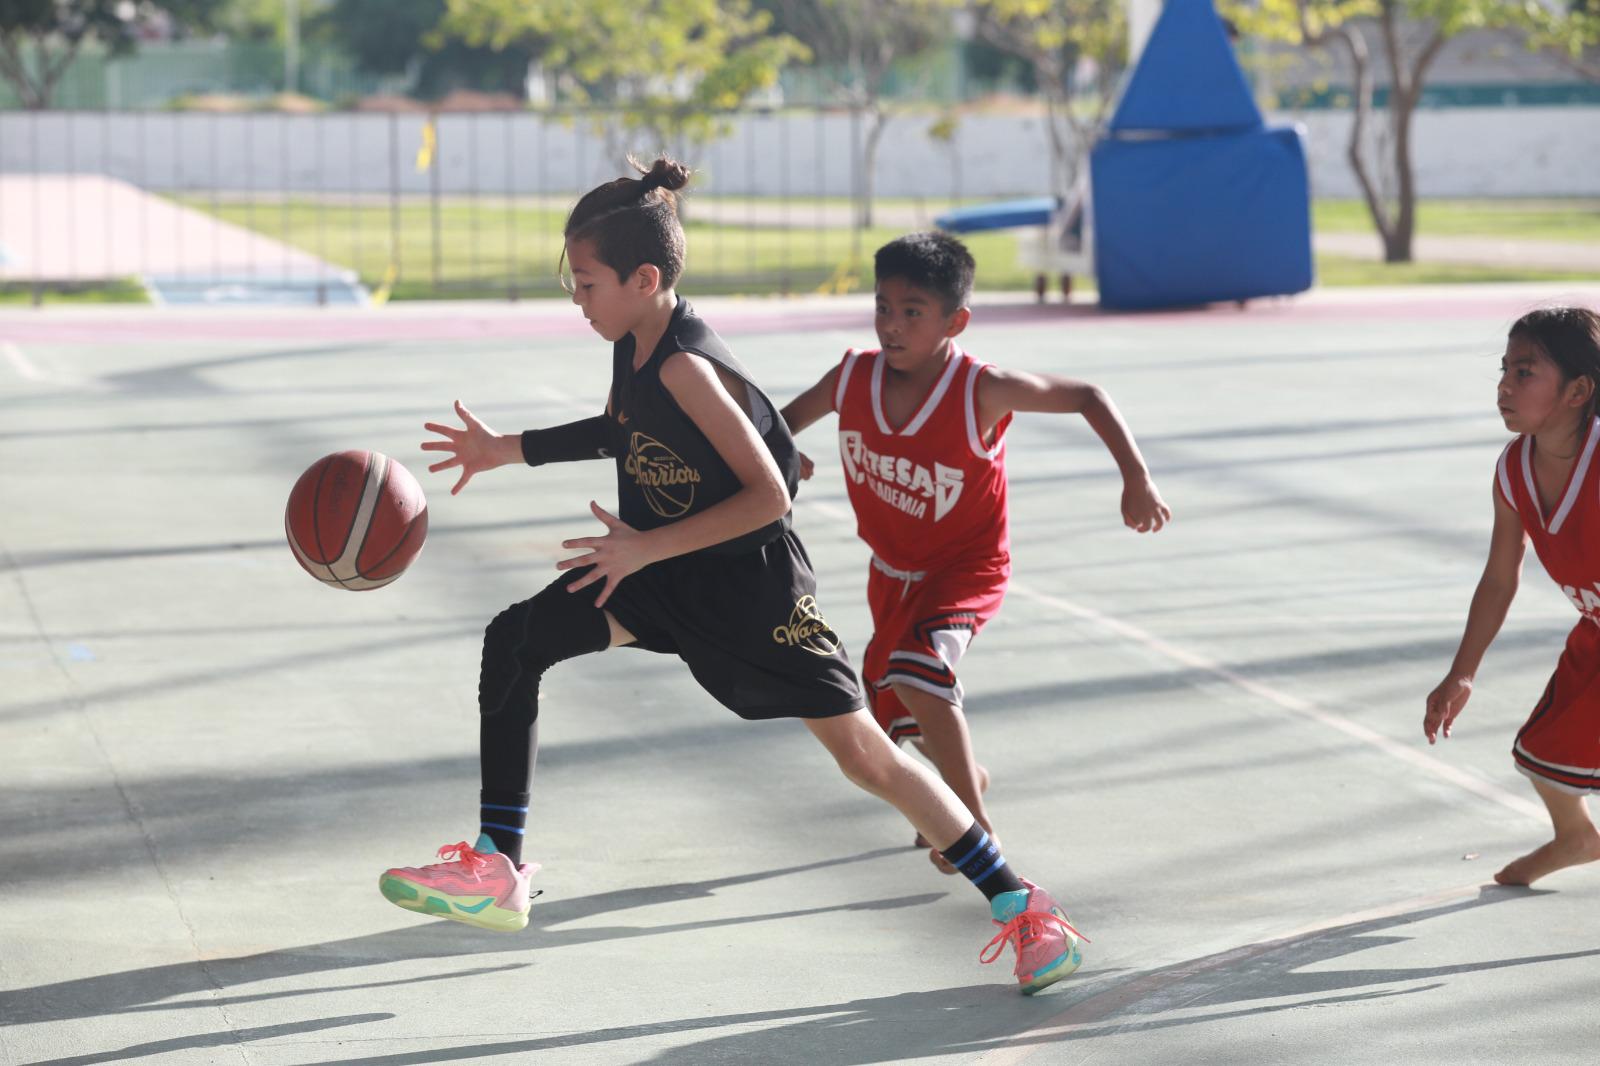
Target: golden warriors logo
807,629
666,481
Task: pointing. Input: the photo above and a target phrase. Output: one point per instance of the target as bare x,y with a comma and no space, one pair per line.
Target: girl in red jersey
922,438
1546,490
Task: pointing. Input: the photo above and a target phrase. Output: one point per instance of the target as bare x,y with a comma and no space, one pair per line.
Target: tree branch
1399,81
1585,65
1361,61
1425,58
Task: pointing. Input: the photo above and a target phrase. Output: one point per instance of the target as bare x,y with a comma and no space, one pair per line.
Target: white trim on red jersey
929,405
877,395
851,357
974,438
1574,480
1529,484
1556,766
1503,476
1578,475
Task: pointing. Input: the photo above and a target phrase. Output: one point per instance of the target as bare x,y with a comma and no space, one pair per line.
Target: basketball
356,520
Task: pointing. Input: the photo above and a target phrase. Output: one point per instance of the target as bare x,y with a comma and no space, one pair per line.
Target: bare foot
1558,854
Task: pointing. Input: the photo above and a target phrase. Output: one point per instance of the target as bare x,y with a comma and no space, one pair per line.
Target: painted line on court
1096,1009
20,363
1296,705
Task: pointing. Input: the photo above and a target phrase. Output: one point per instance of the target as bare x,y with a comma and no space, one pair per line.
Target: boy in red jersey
922,437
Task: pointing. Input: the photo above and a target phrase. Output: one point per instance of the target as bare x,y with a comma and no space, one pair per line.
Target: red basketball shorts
1560,743
922,624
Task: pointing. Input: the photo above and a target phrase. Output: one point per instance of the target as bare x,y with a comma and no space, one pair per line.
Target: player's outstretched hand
807,467
614,556
1444,703
474,449
1143,509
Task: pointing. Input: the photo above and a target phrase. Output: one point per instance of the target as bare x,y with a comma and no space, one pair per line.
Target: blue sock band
978,858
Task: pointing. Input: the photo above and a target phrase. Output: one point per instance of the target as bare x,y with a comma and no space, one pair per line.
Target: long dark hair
1570,336
634,221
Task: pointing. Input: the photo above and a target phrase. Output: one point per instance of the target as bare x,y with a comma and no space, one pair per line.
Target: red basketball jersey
1567,539
931,492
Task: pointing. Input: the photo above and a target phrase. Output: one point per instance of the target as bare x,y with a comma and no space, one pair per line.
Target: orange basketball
356,520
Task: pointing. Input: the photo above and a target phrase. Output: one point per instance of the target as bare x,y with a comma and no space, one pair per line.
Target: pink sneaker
1047,944
476,885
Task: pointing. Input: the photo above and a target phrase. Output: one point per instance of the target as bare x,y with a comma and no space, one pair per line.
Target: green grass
1545,220
1345,270
120,291
496,250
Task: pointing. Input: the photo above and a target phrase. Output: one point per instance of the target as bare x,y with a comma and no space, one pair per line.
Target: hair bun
666,173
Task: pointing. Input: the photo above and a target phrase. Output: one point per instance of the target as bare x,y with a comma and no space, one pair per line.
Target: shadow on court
212,980
227,1038
906,1026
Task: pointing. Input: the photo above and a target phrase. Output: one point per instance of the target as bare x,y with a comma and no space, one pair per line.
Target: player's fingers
439,446
605,593
587,579
582,542
448,431
466,476
610,520
443,464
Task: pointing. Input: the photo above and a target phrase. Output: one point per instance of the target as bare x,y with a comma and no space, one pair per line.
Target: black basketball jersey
666,467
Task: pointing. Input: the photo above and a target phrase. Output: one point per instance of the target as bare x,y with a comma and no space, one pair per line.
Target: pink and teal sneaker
475,884
1031,921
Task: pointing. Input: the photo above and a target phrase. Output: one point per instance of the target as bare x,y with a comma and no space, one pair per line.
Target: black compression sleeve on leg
524,641
589,438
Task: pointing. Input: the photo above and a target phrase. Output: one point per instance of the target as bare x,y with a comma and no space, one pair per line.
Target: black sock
502,816
976,856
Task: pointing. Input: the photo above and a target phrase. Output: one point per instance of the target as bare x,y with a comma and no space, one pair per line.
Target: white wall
1527,151
1551,151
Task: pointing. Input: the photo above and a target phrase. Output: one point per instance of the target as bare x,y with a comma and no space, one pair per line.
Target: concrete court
1207,741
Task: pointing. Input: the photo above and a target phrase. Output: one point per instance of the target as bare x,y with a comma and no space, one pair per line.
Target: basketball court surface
1206,742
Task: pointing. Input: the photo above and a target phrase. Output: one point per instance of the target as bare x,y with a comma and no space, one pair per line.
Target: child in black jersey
700,561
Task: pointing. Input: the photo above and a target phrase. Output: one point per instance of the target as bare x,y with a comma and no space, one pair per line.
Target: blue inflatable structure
1196,199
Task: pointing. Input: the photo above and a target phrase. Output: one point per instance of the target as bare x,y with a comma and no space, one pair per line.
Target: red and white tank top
1567,539
930,492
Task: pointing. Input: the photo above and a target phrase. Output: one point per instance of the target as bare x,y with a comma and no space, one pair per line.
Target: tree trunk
877,120
1402,103
1404,96
34,90
1361,65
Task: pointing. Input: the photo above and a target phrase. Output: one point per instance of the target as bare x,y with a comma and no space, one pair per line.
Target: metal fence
324,207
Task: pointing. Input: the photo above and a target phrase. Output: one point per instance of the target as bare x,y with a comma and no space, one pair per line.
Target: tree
855,45
1572,35
668,65
53,32
1077,49
1404,37
403,36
